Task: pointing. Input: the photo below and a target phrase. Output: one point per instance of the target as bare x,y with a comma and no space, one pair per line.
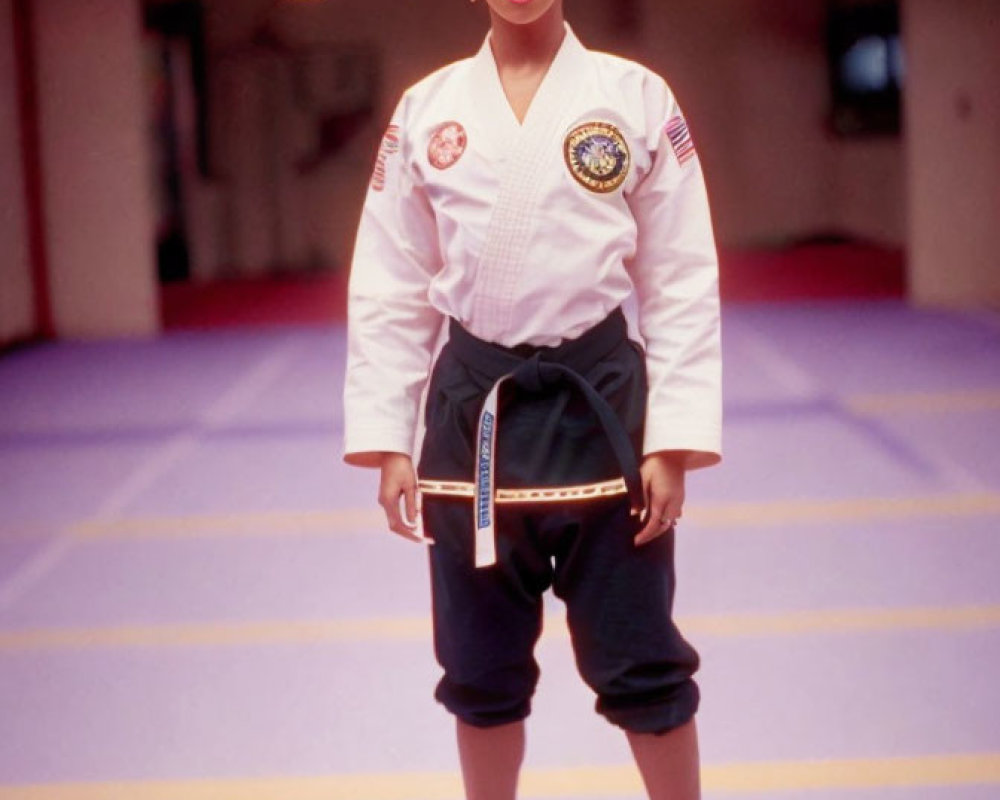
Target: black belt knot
535,369
528,375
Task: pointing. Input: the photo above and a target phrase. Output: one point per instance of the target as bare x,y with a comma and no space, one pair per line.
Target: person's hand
399,481
663,487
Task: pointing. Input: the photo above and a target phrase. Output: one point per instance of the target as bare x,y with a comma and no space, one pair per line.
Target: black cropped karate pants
618,597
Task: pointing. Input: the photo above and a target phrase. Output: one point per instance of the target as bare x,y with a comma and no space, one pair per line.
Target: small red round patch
448,143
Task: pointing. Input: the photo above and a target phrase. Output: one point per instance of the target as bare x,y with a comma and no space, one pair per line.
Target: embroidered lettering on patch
447,145
389,146
680,139
597,156
485,471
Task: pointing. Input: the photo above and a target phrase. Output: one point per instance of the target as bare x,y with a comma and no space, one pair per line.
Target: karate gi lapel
524,151
527,150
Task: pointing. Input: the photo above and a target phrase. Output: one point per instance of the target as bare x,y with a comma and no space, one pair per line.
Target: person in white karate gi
519,198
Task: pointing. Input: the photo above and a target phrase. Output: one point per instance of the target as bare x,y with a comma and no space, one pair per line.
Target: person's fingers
407,531
413,519
656,510
408,523
643,513
675,508
410,504
389,498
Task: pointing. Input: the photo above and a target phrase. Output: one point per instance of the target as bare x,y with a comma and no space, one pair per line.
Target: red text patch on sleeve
390,145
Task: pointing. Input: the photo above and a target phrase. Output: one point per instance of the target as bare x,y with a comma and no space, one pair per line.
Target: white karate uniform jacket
473,215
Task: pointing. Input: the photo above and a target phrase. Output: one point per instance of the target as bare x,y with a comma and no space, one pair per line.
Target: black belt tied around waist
535,370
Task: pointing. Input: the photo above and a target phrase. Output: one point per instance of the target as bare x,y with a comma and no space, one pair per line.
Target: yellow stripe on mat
539,784
812,511
277,632
219,634
258,524
924,402
732,515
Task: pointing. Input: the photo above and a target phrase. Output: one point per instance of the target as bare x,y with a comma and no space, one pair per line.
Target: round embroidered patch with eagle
598,156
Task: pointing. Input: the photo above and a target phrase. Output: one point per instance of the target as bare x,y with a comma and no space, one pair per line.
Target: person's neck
527,46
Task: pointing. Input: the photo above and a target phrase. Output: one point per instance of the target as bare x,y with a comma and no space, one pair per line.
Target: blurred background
198,599
151,149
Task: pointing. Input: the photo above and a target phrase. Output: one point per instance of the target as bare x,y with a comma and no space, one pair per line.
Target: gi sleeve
391,326
675,272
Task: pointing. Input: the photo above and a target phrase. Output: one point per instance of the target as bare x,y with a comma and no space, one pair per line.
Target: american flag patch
680,139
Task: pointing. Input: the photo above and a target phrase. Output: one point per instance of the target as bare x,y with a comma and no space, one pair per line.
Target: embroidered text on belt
533,375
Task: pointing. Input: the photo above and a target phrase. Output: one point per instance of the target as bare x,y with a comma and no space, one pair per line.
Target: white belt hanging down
534,374
484,507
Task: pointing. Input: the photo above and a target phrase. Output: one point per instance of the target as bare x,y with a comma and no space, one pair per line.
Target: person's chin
523,11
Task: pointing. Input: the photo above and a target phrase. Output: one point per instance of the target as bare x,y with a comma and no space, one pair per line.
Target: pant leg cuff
657,714
482,715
